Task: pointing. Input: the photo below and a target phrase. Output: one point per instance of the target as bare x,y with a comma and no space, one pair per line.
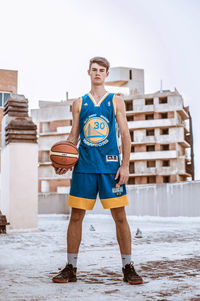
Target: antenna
161,90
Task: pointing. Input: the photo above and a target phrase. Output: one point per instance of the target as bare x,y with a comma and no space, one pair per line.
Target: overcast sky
50,43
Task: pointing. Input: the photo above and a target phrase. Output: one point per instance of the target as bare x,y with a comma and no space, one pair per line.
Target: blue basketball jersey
98,148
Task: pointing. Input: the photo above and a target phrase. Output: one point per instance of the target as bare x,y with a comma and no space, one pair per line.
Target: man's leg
124,239
122,230
74,234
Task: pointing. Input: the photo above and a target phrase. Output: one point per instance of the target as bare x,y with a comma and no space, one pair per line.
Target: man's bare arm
123,171
75,130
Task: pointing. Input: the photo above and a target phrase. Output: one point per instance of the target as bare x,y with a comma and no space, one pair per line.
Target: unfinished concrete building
160,129
54,120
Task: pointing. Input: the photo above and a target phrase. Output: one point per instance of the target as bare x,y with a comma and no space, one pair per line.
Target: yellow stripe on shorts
117,202
80,203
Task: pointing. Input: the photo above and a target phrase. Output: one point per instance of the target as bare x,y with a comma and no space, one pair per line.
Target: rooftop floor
167,257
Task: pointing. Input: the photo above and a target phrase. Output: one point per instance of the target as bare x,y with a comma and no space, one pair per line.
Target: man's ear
107,73
89,72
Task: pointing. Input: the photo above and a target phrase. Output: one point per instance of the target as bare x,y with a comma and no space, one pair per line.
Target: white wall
171,199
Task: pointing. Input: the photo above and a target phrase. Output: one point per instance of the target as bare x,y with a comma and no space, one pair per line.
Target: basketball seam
54,153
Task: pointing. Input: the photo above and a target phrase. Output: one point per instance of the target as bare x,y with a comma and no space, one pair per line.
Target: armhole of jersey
114,104
80,105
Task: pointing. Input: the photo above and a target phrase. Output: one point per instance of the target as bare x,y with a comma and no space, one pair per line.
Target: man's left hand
123,174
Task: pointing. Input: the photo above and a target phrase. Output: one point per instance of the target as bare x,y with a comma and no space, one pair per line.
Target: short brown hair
102,61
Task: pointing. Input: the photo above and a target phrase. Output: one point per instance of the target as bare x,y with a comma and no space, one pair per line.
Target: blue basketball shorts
85,186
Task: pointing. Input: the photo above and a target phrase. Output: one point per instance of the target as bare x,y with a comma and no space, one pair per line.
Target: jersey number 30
97,125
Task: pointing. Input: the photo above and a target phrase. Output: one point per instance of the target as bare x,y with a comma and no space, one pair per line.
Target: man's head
98,70
102,61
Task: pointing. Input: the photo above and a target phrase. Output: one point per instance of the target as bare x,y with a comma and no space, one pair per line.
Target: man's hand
123,174
61,171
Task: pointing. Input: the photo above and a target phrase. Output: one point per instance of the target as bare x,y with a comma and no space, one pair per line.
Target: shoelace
132,269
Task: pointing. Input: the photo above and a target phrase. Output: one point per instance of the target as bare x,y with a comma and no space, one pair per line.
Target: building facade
160,148
160,129
54,120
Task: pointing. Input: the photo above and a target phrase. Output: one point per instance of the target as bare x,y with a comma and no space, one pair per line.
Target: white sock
72,259
126,259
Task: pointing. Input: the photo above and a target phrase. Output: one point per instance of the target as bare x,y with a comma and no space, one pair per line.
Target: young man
99,168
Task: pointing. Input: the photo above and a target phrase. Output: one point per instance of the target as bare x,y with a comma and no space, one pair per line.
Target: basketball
64,154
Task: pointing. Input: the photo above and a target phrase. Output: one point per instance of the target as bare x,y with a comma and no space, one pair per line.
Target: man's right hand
60,171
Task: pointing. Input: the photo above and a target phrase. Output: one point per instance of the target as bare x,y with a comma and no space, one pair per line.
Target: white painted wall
19,193
51,113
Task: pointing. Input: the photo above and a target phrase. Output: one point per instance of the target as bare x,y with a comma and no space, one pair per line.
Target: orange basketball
64,154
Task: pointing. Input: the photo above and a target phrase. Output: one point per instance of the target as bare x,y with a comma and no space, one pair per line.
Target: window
150,132
3,98
132,167
164,147
151,179
45,127
132,137
166,179
165,163
131,180
62,189
163,115
129,106
162,100
164,131
130,74
130,118
148,116
151,163
132,149
149,101
44,186
45,156
6,95
150,148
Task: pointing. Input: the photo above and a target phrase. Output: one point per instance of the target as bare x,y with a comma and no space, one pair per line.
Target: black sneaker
68,274
130,275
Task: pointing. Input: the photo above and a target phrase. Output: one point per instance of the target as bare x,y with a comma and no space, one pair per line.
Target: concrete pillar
19,165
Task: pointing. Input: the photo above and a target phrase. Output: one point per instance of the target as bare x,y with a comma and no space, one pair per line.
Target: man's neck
98,91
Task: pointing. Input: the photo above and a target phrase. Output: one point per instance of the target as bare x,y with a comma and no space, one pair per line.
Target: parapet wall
171,199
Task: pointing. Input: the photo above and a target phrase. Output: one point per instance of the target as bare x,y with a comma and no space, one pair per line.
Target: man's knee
77,215
119,215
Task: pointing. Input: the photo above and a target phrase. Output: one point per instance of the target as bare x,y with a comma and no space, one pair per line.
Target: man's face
97,74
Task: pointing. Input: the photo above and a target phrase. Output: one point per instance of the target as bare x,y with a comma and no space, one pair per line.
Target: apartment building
160,129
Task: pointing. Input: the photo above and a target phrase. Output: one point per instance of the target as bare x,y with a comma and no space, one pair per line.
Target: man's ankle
72,259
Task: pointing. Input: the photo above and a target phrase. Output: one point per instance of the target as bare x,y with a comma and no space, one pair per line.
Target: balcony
183,113
161,139
171,154
153,171
46,140
47,172
143,124
142,108
174,104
